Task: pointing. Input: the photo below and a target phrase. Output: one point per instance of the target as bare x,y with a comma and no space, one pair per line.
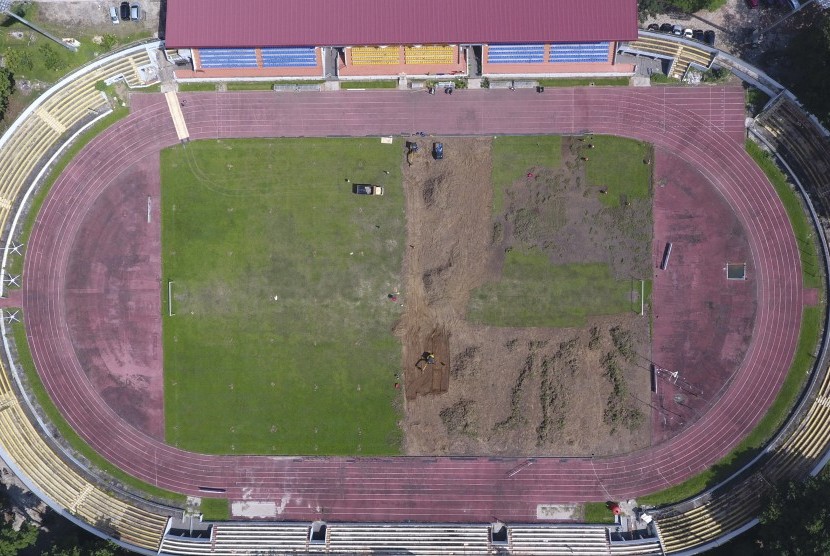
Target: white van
135,12
114,15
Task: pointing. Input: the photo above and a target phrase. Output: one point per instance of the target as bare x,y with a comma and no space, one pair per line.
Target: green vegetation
598,512
215,509
281,341
36,57
756,99
250,85
805,63
32,57
585,82
514,156
149,89
534,292
27,364
197,87
620,165
384,84
15,262
802,227
653,7
12,542
796,518
750,446
663,79
6,89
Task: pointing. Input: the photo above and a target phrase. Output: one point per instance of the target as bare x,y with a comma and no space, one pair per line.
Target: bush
52,59
19,60
109,41
6,88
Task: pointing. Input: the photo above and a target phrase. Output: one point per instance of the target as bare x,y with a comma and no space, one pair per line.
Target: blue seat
227,57
289,57
516,54
579,52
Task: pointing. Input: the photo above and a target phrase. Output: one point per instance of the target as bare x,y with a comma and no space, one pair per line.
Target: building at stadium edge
390,39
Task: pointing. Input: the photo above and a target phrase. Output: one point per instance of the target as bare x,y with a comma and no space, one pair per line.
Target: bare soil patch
517,391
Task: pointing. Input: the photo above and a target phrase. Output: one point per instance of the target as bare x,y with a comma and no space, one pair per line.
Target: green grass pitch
312,372
534,292
620,165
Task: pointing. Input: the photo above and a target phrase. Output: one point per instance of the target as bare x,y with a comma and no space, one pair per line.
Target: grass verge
514,156
281,335
197,87
383,84
26,363
250,85
585,82
597,512
215,509
802,227
750,446
532,292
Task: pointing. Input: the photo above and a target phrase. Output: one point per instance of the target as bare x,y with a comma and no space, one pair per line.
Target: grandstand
386,538
680,54
390,39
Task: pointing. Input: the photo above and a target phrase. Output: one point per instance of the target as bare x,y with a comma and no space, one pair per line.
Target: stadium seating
682,55
289,57
558,539
579,53
800,143
20,156
516,54
374,55
213,58
430,54
422,539
61,112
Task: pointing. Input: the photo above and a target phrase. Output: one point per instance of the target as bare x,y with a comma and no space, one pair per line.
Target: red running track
701,125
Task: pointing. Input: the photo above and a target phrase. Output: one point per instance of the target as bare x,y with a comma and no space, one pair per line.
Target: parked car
438,151
709,37
666,28
677,30
752,4
653,27
135,12
697,35
688,33
367,189
114,15
125,11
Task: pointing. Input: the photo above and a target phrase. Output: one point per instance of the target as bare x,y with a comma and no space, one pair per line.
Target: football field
280,336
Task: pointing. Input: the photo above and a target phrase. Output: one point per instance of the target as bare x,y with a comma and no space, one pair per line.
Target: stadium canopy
259,23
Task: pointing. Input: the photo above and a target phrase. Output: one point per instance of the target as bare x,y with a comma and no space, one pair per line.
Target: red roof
251,23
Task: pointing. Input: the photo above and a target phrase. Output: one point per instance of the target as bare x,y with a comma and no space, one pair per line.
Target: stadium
105,297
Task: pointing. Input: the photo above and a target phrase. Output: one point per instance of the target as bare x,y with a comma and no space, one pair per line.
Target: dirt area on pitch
514,391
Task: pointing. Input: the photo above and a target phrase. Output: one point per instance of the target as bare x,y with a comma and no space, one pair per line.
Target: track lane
698,124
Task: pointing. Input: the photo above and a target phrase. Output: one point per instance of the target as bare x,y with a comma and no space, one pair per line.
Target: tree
796,518
807,67
6,88
19,60
12,542
51,57
653,7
